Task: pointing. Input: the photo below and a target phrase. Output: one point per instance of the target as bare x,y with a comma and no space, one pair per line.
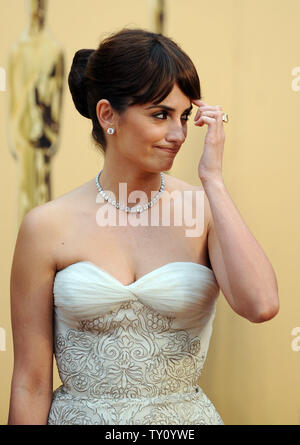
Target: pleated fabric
132,354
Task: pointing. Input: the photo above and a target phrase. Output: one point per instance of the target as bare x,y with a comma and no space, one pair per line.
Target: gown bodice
132,354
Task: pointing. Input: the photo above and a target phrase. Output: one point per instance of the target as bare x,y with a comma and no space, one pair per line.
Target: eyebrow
165,107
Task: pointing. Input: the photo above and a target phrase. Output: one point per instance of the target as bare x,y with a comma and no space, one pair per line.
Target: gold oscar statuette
35,75
156,15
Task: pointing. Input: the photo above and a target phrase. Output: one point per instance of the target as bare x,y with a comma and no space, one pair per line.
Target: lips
168,149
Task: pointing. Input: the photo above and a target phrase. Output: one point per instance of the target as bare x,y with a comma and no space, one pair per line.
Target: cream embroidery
130,366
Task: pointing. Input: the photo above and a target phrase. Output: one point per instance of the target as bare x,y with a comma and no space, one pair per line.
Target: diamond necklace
137,209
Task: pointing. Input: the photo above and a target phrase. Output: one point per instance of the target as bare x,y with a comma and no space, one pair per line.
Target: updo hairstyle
132,66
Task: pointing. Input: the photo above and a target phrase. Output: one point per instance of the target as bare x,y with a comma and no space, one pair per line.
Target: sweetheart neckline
202,266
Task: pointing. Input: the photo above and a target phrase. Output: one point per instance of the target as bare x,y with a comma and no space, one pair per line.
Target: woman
133,303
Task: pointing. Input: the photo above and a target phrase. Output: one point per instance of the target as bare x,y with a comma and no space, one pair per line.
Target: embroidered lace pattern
130,363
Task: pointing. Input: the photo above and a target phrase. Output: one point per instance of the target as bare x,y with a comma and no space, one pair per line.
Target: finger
208,113
199,111
220,117
206,120
221,130
201,103
206,108
198,102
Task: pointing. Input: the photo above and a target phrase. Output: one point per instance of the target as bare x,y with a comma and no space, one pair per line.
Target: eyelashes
186,116
165,114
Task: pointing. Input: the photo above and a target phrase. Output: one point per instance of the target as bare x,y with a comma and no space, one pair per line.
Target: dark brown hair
132,66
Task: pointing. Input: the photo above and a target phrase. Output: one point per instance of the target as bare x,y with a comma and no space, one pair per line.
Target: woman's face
144,128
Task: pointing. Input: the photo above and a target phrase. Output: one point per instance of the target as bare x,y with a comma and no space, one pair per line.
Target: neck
134,179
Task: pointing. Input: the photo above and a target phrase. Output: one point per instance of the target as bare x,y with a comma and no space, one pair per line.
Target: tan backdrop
247,56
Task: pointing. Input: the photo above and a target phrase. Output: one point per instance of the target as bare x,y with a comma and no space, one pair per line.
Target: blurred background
248,60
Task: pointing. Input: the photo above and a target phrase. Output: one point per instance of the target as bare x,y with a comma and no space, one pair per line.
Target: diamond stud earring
110,130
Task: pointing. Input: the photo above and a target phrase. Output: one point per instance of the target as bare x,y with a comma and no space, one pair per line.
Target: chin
168,167
160,168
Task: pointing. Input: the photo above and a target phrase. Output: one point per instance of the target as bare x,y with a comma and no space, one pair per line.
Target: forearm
28,407
250,274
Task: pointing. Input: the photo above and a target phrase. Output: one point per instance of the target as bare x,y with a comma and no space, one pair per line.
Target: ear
106,114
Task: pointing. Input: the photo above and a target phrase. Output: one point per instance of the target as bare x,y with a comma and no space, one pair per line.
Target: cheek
153,133
142,132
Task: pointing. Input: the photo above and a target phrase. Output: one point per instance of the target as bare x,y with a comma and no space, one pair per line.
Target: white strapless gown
132,355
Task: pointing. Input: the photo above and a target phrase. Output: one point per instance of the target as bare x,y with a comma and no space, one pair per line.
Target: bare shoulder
57,210
179,184
36,235
62,216
71,197
43,222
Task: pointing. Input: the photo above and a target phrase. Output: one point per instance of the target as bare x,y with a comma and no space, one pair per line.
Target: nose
176,133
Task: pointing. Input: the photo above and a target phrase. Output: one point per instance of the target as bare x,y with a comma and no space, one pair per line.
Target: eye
164,113
186,116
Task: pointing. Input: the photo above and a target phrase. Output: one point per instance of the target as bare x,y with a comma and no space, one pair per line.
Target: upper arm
216,256
31,282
